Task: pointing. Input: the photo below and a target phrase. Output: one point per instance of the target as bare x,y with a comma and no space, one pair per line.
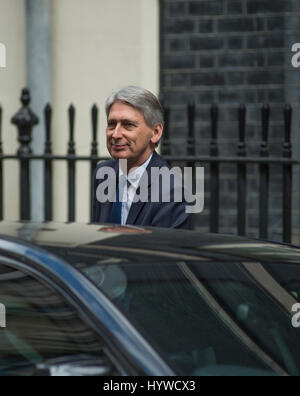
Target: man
134,129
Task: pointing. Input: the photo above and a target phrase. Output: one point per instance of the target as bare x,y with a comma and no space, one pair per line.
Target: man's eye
110,125
129,124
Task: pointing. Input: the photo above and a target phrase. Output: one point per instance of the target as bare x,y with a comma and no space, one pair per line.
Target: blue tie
116,209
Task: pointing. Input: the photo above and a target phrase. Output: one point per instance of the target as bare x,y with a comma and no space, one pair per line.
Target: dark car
104,300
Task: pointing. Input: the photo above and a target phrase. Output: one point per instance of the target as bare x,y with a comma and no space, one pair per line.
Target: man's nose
117,132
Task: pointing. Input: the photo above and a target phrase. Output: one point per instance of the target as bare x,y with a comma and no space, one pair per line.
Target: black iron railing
242,160
25,120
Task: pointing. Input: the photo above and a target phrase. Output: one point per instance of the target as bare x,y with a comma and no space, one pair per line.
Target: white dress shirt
130,183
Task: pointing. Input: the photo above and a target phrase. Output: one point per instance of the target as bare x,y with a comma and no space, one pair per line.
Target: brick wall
228,52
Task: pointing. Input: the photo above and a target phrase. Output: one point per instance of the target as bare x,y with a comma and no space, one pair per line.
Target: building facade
229,52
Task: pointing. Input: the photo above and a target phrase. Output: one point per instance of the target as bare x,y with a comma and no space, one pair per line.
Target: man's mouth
119,146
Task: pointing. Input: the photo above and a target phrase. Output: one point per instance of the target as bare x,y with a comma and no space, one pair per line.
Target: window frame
29,267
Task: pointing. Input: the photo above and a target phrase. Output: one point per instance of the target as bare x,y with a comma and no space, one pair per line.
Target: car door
43,334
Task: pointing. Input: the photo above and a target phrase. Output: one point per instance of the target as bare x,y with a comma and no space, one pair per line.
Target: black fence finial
25,120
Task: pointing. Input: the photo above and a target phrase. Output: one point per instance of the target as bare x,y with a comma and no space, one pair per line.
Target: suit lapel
136,207
106,206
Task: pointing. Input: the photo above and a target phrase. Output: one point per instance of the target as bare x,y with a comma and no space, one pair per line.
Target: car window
40,326
259,314
175,306
287,275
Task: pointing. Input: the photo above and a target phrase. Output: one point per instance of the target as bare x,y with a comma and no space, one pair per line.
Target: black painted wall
230,52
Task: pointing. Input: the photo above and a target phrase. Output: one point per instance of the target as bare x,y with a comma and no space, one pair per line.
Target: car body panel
45,264
52,251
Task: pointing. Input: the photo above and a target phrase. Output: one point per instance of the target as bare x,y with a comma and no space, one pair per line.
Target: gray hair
141,99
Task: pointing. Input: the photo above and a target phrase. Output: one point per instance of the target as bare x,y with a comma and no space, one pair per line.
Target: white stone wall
12,80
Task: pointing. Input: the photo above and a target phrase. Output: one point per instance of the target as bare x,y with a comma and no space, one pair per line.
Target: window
40,325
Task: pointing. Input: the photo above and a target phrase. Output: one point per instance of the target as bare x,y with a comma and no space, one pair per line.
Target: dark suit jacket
156,214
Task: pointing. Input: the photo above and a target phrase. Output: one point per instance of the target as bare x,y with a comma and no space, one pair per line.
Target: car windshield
205,318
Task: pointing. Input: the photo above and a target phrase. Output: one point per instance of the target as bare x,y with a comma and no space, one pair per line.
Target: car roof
147,242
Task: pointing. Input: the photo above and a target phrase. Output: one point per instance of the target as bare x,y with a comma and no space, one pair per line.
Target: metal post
165,144
287,178
242,173
264,176
48,164
71,166
214,172
94,154
191,150
24,120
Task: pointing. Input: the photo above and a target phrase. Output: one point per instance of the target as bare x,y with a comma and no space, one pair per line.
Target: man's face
128,135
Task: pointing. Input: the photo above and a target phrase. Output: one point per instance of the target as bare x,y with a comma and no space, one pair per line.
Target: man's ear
157,133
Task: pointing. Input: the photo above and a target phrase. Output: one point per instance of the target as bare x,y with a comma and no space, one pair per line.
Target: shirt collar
135,175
